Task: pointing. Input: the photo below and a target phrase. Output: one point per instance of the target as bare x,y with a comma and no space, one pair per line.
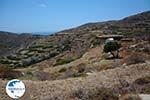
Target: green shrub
63,61
5,61
47,46
30,54
112,46
79,74
13,58
62,70
32,49
40,51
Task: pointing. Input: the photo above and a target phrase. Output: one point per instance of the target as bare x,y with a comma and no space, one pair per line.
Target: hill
133,25
11,42
71,44
107,84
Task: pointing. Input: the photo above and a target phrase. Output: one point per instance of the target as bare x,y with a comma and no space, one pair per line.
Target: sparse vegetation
134,59
62,70
63,61
130,97
144,80
96,94
81,68
103,94
42,76
79,75
37,46
13,58
8,73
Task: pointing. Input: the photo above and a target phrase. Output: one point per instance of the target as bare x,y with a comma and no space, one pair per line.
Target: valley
72,65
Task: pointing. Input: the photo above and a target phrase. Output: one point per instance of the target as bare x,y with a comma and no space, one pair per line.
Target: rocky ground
78,88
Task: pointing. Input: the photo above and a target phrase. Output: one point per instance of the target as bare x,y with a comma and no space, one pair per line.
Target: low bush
47,46
130,97
52,54
62,61
13,58
134,59
8,73
42,76
102,94
95,94
40,51
143,85
62,70
147,49
5,61
79,74
37,46
81,67
141,81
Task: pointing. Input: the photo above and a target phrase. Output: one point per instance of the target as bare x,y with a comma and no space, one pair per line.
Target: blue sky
56,15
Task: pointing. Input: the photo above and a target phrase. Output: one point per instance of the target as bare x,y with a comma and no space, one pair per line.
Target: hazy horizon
31,16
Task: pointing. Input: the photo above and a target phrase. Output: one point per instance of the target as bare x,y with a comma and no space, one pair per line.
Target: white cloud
42,5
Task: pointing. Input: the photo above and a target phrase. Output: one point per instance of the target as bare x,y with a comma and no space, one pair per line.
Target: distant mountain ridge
135,24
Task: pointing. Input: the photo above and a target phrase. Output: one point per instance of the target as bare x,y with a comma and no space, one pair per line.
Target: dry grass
8,73
95,94
63,89
134,58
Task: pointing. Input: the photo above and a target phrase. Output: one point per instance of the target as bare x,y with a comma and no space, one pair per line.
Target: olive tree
112,47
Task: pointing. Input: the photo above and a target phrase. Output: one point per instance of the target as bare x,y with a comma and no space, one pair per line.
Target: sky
55,15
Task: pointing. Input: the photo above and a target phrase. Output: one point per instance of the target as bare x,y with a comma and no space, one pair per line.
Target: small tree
112,47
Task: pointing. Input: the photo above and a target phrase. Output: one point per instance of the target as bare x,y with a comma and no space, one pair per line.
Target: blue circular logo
15,88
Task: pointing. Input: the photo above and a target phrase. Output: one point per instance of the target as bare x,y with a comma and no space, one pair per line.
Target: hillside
105,84
132,25
73,43
10,42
